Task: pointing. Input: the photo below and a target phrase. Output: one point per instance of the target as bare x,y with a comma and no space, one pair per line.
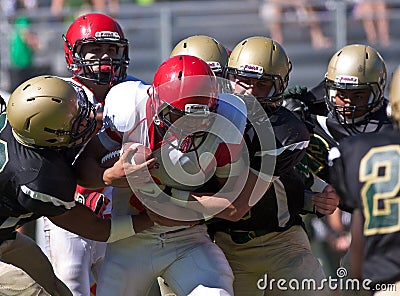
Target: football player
47,118
253,69
179,121
206,48
97,55
370,163
216,55
269,238
349,101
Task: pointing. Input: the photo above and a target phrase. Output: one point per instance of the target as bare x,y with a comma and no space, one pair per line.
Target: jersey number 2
380,171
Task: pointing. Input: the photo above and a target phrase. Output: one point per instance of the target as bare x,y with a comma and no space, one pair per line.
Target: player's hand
293,101
340,242
95,201
295,92
327,201
119,173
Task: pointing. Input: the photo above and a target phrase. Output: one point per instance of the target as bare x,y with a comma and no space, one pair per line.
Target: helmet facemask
111,70
359,73
84,125
394,95
185,129
265,60
188,129
352,114
275,82
183,98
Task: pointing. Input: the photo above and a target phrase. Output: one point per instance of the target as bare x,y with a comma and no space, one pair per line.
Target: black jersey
33,182
366,174
279,208
325,132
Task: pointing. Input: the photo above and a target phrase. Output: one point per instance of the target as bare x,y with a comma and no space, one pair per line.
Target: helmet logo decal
107,35
346,79
252,68
197,109
214,65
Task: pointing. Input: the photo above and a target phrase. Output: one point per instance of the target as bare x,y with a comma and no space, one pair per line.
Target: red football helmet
183,97
96,28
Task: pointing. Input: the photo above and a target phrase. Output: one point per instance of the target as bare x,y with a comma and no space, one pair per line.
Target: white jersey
125,108
131,265
124,101
91,97
125,118
98,103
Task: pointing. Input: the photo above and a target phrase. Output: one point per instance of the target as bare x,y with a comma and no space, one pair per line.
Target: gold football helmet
206,48
355,68
394,95
264,59
49,112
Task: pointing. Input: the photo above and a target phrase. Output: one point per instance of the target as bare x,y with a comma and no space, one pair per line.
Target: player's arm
242,196
324,201
91,174
87,167
357,245
231,203
248,186
82,221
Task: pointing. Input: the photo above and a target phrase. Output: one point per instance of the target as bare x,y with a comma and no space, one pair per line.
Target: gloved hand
295,92
293,101
95,201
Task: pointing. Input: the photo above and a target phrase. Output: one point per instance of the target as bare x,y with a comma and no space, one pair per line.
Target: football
141,155
110,158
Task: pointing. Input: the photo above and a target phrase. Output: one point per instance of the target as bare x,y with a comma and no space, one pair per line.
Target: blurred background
311,31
